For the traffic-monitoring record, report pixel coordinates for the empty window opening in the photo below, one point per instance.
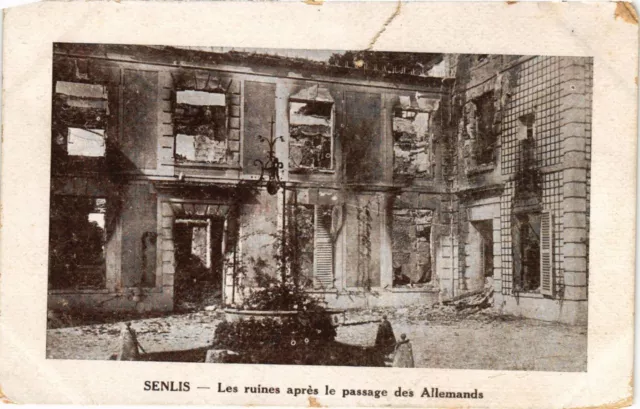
(526, 251)
(80, 114)
(526, 127)
(311, 134)
(411, 247)
(486, 138)
(412, 151)
(528, 178)
(85, 142)
(526, 135)
(199, 261)
(82, 95)
(77, 242)
(201, 126)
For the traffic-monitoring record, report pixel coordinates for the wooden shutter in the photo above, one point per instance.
(323, 250)
(546, 254)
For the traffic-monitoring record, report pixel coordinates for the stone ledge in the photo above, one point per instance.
(63, 291)
(412, 290)
(490, 167)
(205, 165)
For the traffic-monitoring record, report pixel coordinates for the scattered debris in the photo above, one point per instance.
(83, 317)
(476, 300)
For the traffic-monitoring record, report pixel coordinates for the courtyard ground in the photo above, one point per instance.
(441, 338)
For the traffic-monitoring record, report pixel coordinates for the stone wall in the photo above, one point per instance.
(576, 93)
(546, 101)
(536, 90)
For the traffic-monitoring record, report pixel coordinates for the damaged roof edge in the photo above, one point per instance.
(168, 55)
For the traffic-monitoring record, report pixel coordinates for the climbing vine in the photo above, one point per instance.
(364, 245)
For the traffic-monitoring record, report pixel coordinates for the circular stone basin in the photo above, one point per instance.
(233, 315)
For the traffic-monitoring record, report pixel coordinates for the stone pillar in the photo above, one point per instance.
(574, 108)
(447, 249)
(463, 231)
(388, 101)
(167, 249)
(386, 240)
(113, 254)
(281, 128)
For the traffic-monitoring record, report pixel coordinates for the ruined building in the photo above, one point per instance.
(399, 187)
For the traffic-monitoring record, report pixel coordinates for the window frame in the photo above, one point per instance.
(302, 169)
(59, 199)
(430, 173)
(481, 135)
(419, 228)
(518, 218)
(227, 116)
(58, 123)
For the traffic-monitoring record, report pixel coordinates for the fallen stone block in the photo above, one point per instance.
(219, 356)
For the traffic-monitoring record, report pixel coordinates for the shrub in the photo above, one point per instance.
(272, 294)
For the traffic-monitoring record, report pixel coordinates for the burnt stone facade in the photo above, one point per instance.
(411, 188)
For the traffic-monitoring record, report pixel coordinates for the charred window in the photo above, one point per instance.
(77, 242)
(528, 177)
(311, 134)
(79, 119)
(526, 133)
(201, 126)
(526, 251)
(411, 143)
(411, 247)
(486, 138)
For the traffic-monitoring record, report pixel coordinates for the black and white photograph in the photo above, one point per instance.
(311, 207)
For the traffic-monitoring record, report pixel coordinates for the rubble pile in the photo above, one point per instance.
(473, 301)
(448, 311)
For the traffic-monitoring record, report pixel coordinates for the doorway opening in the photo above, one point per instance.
(199, 262)
(485, 231)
